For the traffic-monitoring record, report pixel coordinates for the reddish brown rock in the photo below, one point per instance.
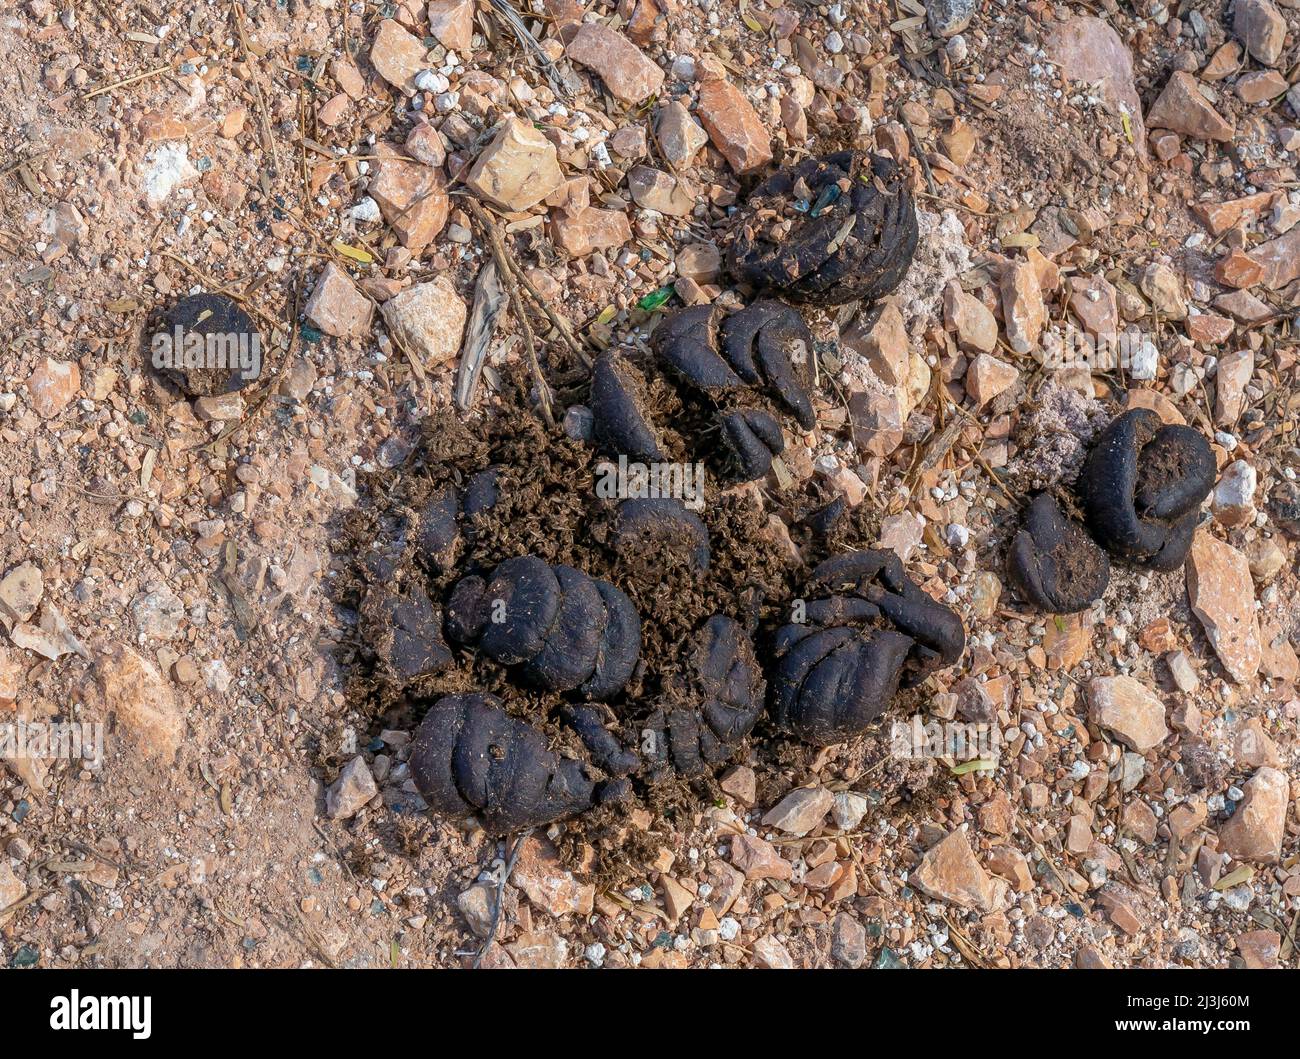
(1286, 215)
(1257, 827)
(518, 169)
(218, 408)
(397, 55)
(958, 142)
(346, 75)
(1222, 595)
(411, 196)
(741, 783)
(727, 884)
(758, 859)
(1158, 636)
(824, 876)
(794, 118)
(424, 144)
(892, 136)
(1093, 301)
(52, 385)
(987, 377)
(1260, 85)
(452, 23)
(546, 882)
(350, 793)
(653, 189)
(336, 306)
(1238, 269)
(1280, 259)
(770, 953)
(427, 320)
(1252, 747)
(10, 676)
(626, 71)
(1186, 818)
(539, 951)
(1183, 674)
(663, 958)
(1125, 707)
(21, 590)
(949, 872)
(800, 811)
(1078, 834)
(1140, 397)
(1260, 27)
(1165, 289)
(144, 705)
(1278, 659)
(589, 230)
(1209, 329)
(1266, 560)
(677, 899)
(1066, 643)
(733, 125)
(572, 197)
(646, 20)
(701, 262)
(970, 318)
(332, 111)
(885, 346)
(845, 481)
(1243, 307)
(1123, 907)
(564, 12)
(156, 127)
(1225, 61)
(1182, 108)
(1230, 382)
(1259, 949)
(1023, 311)
(901, 534)
(877, 421)
(1140, 821)
(1218, 217)
(12, 889)
(1047, 270)
(226, 188)
(680, 136)
(1166, 144)
(1010, 864)
(629, 142)
(690, 292)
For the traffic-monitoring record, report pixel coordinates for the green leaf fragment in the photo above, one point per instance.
(653, 300)
(978, 765)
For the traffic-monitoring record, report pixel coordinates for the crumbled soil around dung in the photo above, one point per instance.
(548, 506)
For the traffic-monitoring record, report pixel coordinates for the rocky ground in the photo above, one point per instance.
(166, 565)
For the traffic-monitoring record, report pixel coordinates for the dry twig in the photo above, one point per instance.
(506, 12)
(507, 869)
(509, 275)
(129, 80)
(264, 117)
